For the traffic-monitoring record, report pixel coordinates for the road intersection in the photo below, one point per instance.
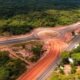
(54, 39)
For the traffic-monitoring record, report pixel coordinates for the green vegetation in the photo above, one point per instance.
(58, 76)
(37, 51)
(10, 69)
(4, 57)
(21, 16)
(4, 73)
(75, 55)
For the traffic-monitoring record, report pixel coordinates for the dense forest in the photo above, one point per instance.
(21, 16)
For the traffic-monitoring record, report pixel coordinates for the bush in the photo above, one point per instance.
(4, 73)
(37, 50)
(76, 58)
(65, 56)
(10, 69)
(4, 57)
(15, 67)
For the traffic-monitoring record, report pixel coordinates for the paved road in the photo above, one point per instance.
(43, 33)
(71, 45)
(73, 42)
(54, 50)
(55, 47)
(18, 40)
(50, 69)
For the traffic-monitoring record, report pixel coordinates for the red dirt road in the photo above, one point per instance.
(54, 47)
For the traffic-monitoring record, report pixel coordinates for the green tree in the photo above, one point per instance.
(4, 57)
(77, 50)
(65, 55)
(37, 50)
(15, 67)
(76, 58)
(4, 73)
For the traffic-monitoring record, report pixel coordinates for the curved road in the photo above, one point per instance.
(54, 47)
(43, 33)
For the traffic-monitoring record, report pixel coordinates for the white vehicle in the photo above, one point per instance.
(76, 45)
(71, 60)
(76, 33)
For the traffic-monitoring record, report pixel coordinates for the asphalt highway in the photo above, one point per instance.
(73, 43)
(43, 33)
(54, 48)
(50, 69)
(18, 40)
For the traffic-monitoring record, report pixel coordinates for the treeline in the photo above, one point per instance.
(21, 16)
(21, 24)
(10, 68)
(13, 7)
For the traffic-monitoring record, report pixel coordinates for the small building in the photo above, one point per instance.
(78, 70)
(67, 69)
